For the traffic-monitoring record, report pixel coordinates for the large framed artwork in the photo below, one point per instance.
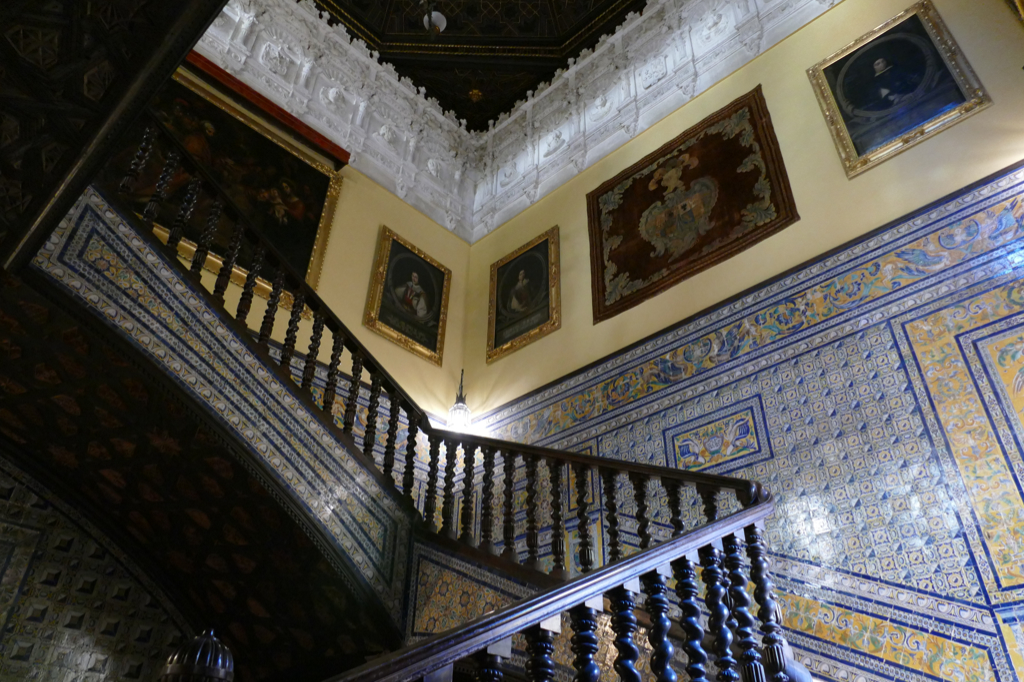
(286, 187)
(524, 296)
(408, 297)
(895, 87)
(715, 190)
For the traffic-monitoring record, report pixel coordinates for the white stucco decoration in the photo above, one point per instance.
(472, 182)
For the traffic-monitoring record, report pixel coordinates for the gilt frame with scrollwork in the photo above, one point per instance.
(953, 60)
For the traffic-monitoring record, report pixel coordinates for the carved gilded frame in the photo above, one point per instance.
(278, 136)
(378, 278)
(970, 86)
(554, 298)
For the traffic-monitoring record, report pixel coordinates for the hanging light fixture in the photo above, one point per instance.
(459, 415)
(433, 21)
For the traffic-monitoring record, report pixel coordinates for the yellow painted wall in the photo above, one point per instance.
(363, 207)
(833, 209)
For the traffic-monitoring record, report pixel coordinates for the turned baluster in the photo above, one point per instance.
(313, 352)
(267, 328)
(509, 551)
(331, 390)
(714, 598)
(687, 590)
(468, 485)
(139, 161)
(749, 658)
(532, 534)
(430, 503)
(489, 662)
(584, 642)
(673, 491)
(352, 400)
(160, 193)
(249, 288)
(557, 527)
(487, 503)
(394, 412)
(772, 642)
(623, 602)
(448, 525)
(540, 644)
(185, 211)
(586, 552)
(657, 606)
(643, 520)
(206, 240)
(709, 496)
(370, 435)
(611, 505)
(292, 332)
(409, 474)
(228, 265)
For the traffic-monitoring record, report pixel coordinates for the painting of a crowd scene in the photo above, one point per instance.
(283, 196)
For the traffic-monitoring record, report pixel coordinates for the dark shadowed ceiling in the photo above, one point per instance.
(118, 444)
(491, 52)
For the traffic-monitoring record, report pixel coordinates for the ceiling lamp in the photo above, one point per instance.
(433, 21)
(459, 415)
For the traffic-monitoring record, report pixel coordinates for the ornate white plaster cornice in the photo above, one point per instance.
(472, 182)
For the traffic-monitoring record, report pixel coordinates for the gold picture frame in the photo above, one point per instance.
(873, 119)
(1018, 8)
(408, 298)
(510, 280)
(201, 87)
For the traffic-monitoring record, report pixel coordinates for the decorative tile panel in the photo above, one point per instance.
(99, 259)
(887, 383)
(72, 605)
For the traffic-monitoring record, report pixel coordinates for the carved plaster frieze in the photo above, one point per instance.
(472, 182)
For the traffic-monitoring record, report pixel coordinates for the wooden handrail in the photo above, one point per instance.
(311, 298)
(473, 531)
(437, 651)
(749, 492)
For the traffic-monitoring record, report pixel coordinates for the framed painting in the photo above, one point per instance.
(408, 297)
(895, 87)
(715, 190)
(524, 296)
(286, 187)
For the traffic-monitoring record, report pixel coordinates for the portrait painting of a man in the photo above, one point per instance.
(889, 89)
(408, 300)
(524, 296)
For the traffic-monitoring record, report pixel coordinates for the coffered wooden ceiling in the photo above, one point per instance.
(491, 52)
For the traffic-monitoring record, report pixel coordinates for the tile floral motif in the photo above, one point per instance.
(98, 258)
(717, 441)
(448, 591)
(890, 379)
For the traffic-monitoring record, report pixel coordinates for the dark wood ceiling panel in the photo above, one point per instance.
(509, 46)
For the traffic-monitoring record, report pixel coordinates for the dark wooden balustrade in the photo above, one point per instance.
(549, 479)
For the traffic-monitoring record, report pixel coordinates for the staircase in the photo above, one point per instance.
(687, 524)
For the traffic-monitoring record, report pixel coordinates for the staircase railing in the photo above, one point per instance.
(712, 541)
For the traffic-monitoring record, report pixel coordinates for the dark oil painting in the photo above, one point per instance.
(710, 193)
(412, 299)
(522, 300)
(282, 195)
(891, 85)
